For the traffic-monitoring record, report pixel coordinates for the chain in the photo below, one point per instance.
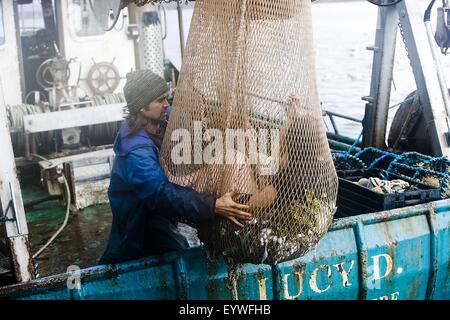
(141, 3)
(402, 33)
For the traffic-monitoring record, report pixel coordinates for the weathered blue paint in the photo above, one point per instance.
(442, 285)
(397, 254)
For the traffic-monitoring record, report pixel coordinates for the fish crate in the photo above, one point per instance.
(354, 199)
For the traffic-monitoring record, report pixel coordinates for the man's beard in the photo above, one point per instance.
(155, 121)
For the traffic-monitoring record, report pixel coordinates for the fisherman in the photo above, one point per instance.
(145, 204)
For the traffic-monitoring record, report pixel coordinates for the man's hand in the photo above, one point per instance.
(293, 111)
(294, 106)
(226, 207)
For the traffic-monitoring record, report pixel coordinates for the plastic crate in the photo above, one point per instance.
(354, 199)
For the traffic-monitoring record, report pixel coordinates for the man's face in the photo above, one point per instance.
(156, 110)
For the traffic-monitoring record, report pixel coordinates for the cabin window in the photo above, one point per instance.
(2, 28)
(86, 23)
(38, 31)
(35, 17)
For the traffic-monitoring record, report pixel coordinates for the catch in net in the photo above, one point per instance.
(246, 118)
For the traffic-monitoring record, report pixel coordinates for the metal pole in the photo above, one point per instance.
(420, 53)
(181, 29)
(382, 69)
(383, 96)
(11, 205)
(435, 53)
(151, 53)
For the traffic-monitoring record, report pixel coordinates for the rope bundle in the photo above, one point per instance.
(430, 171)
(104, 133)
(15, 117)
(96, 134)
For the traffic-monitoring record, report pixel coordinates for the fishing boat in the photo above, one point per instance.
(60, 95)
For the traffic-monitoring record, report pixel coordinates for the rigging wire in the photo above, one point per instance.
(116, 17)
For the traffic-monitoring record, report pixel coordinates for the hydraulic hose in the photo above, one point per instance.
(66, 219)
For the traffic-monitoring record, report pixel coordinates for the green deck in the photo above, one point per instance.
(80, 243)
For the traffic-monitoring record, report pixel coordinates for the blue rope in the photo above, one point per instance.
(378, 160)
(444, 178)
(405, 164)
(379, 155)
(354, 144)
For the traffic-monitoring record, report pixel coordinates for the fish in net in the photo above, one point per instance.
(246, 118)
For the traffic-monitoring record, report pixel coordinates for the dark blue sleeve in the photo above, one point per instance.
(150, 183)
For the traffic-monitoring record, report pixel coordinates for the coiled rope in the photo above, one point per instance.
(106, 132)
(15, 117)
(97, 134)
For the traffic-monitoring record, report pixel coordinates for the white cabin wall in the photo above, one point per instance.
(106, 47)
(9, 60)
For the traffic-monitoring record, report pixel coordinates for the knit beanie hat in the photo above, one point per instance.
(141, 88)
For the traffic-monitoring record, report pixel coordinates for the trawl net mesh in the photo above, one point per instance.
(246, 118)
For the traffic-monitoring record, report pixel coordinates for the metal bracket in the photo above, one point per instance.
(14, 206)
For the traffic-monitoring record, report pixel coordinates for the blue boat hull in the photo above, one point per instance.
(397, 254)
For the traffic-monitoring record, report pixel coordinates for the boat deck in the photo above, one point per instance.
(82, 241)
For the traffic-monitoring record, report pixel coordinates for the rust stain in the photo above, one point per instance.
(15, 263)
(392, 251)
(299, 266)
(364, 278)
(343, 274)
(414, 287)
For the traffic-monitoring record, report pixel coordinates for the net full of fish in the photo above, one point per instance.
(248, 71)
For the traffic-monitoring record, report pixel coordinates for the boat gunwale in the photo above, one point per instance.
(111, 270)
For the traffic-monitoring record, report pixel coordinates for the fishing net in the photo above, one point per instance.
(246, 118)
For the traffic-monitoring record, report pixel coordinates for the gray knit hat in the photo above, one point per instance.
(141, 88)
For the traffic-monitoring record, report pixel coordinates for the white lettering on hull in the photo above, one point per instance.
(293, 283)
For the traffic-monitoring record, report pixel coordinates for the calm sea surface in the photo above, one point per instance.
(342, 31)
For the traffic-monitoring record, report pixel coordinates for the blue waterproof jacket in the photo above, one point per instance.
(145, 204)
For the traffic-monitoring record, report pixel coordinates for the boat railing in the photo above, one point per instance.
(331, 115)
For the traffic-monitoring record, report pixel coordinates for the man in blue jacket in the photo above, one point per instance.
(144, 203)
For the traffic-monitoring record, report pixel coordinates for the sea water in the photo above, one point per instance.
(342, 31)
